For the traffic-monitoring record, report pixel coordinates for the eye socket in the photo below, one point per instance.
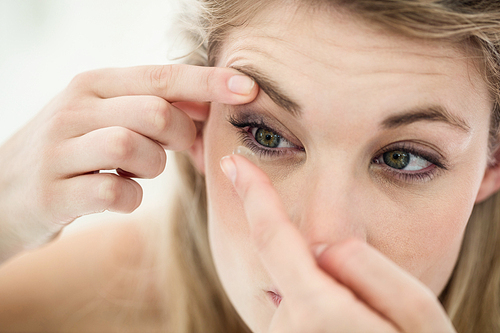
(404, 160)
(269, 139)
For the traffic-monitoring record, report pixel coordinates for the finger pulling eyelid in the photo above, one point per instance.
(271, 88)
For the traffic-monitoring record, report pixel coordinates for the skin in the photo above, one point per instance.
(387, 246)
(391, 243)
(121, 119)
(106, 119)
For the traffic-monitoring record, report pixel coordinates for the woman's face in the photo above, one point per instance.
(381, 137)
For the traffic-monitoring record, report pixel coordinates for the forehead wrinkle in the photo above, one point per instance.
(251, 49)
(313, 56)
(399, 71)
(290, 45)
(301, 17)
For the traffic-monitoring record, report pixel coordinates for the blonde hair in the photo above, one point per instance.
(197, 302)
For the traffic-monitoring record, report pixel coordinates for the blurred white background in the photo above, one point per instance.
(45, 43)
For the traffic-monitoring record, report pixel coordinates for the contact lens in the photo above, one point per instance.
(250, 155)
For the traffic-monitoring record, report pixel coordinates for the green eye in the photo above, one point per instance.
(397, 159)
(267, 138)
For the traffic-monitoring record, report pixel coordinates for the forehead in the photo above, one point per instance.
(325, 55)
(337, 40)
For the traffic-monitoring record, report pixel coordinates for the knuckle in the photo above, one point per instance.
(119, 144)
(83, 80)
(209, 76)
(160, 77)
(65, 114)
(161, 115)
(424, 305)
(109, 191)
(347, 252)
(59, 121)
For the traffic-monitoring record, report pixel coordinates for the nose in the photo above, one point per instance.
(328, 208)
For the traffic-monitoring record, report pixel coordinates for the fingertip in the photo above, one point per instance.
(241, 172)
(335, 258)
(138, 196)
(242, 87)
(248, 167)
(228, 166)
(241, 84)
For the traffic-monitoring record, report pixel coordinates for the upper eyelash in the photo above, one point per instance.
(256, 122)
(412, 150)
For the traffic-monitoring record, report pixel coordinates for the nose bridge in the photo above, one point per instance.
(326, 214)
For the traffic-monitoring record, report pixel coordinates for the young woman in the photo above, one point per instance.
(371, 202)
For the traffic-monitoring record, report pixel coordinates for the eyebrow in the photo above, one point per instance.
(432, 113)
(435, 113)
(271, 88)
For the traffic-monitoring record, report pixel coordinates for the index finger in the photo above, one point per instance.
(281, 247)
(174, 83)
(385, 286)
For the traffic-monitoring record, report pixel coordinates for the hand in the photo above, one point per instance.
(350, 287)
(106, 119)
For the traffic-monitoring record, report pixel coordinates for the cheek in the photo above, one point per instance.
(236, 262)
(423, 234)
(228, 228)
(224, 205)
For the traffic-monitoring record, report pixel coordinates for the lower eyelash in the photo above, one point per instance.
(414, 177)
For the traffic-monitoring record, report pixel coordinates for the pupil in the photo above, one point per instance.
(267, 138)
(397, 159)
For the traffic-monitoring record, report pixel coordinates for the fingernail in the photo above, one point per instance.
(318, 249)
(240, 84)
(227, 165)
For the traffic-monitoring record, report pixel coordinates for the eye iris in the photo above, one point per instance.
(267, 138)
(397, 159)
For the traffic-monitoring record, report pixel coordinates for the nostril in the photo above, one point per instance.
(275, 297)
